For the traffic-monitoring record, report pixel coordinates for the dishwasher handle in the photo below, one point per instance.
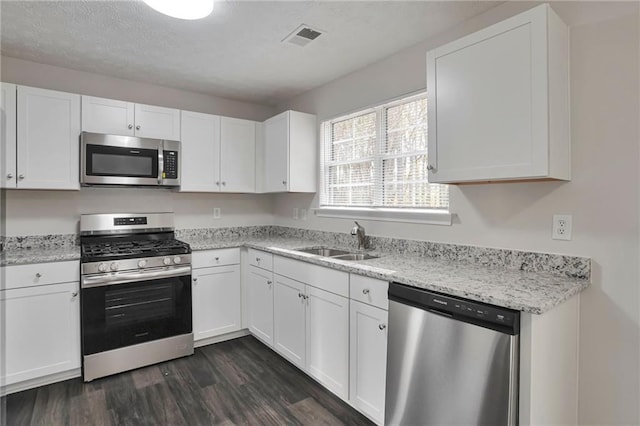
(497, 318)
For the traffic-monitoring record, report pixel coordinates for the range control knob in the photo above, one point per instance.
(177, 259)
(102, 267)
(114, 266)
(142, 263)
(166, 261)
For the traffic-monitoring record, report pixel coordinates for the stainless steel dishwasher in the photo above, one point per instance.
(450, 361)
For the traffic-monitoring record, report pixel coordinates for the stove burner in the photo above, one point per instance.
(110, 249)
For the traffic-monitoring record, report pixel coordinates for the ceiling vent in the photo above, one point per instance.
(303, 35)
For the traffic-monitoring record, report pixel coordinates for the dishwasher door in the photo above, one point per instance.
(447, 364)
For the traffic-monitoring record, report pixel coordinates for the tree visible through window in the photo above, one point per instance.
(378, 158)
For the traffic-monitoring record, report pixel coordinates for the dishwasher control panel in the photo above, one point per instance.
(472, 309)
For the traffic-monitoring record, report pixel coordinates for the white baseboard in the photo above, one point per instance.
(221, 338)
(40, 381)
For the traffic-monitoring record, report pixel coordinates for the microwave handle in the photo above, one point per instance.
(160, 161)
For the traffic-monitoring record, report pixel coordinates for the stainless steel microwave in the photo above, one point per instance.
(128, 160)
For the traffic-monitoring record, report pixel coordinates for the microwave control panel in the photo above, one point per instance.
(170, 169)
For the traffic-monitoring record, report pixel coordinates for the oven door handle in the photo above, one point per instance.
(128, 277)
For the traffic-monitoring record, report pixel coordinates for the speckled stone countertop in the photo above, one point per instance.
(533, 292)
(529, 282)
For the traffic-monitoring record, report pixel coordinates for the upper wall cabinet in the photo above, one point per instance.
(218, 153)
(114, 117)
(43, 154)
(8, 175)
(290, 153)
(498, 102)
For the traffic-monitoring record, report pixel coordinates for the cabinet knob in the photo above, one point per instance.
(299, 295)
(217, 259)
(20, 177)
(195, 280)
(431, 168)
(269, 282)
(10, 176)
(218, 183)
(38, 275)
(138, 127)
(130, 126)
(74, 294)
(284, 182)
(365, 291)
(382, 326)
(258, 259)
(224, 183)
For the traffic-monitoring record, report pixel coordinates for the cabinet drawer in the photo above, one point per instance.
(318, 276)
(208, 258)
(261, 259)
(370, 291)
(18, 276)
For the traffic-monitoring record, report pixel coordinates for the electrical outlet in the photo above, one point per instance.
(303, 214)
(561, 227)
(216, 213)
(295, 213)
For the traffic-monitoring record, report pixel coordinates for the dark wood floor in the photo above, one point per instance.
(235, 382)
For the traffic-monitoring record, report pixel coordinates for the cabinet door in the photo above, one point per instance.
(200, 150)
(289, 319)
(48, 139)
(157, 122)
(260, 304)
(368, 364)
(488, 102)
(276, 153)
(108, 116)
(41, 331)
(216, 301)
(328, 340)
(8, 176)
(237, 155)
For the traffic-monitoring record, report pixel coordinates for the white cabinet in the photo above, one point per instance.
(289, 319)
(8, 173)
(110, 116)
(218, 153)
(290, 153)
(260, 304)
(41, 323)
(200, 152)
(311, 324)
(498, 102)
(48, 131)
(368, 359)
(216, 293)
(237, 154)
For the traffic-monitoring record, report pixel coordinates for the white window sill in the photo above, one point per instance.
(432, 217)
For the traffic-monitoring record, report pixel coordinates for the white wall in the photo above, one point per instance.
(603, 196)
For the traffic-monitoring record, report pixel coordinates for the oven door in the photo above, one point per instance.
(120, 310)
(120, 160)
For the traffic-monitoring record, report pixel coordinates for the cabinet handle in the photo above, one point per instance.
(10, 176)
(138, 127)
(269, 282)
(299, 295)
(74, 294)
(130, 126)
(21, 177)
(365, 291)
(431, 168)
(38, 275)
(382, 326)
(195, 280)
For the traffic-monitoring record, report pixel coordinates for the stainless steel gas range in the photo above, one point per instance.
(135, 292)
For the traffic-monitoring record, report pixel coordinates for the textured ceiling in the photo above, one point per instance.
(234, 53)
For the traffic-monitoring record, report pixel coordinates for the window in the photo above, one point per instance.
(377, 159)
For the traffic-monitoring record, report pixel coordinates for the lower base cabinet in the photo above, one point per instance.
(41, 331)
(260, 304)
(368, 359)
(216, 301)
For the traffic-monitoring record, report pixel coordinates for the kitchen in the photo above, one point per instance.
(604, 129)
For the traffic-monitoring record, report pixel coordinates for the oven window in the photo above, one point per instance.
(123, 162)
(120, 315)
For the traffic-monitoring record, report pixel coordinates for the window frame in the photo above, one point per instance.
(393, 214)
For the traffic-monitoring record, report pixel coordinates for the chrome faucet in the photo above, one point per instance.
(362, 238)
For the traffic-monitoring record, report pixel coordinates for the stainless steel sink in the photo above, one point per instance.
(354, 256)
(323, 251)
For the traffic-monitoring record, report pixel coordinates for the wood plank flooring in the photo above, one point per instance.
(240, 381)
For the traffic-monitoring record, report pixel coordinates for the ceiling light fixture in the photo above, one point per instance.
(182, 9)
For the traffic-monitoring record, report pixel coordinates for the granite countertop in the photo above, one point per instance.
(533, 292)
